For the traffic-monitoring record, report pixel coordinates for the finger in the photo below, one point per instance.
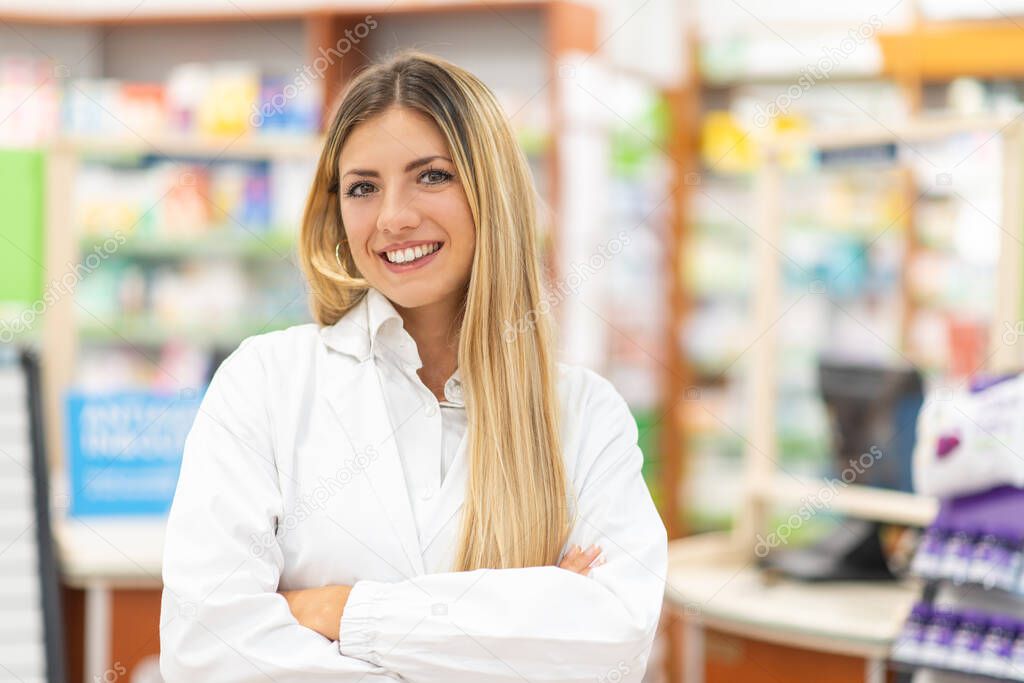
(569, 557)
(581, 561)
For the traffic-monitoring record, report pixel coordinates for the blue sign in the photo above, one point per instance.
(124, 450)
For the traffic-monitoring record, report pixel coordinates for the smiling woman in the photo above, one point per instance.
(401, 491)
(401, 215)
(420, 152)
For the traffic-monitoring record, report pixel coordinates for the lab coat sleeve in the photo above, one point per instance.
(221, 616)
(536, 623)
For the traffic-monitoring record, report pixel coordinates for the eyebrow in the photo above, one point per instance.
(408, 167)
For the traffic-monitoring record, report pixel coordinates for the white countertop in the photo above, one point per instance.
(116, 552)
(709, 581)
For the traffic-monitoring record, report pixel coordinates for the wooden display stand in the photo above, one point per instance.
(829, 631)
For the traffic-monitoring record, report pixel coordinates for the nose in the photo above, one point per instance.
(398, 212)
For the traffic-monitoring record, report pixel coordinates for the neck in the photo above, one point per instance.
(433, 328)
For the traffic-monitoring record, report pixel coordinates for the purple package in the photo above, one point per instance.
(956, 555)
(908, 645)
(1000, 506)
(938, 636)
(928, 558)
(998, 645)
(982, 382)
(965, 654)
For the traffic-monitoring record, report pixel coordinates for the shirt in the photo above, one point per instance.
(294, 476)
(428, 431)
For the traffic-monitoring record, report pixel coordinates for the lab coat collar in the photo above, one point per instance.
(374, 327)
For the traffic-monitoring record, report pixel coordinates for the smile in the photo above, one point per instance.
(400, 260)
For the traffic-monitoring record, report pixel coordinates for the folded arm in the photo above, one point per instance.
(536, 623)
(221, 616)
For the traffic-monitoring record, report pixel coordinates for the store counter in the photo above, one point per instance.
(716, 589)
(117, 565)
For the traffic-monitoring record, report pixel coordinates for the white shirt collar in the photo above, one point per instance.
(374, 327)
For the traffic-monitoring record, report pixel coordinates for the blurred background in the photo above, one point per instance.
(780, 229)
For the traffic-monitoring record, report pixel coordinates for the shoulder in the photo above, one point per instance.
(272, 352)
(266, 360)
(586, 393)
(279, 344)
(597, 426)
(592, 409)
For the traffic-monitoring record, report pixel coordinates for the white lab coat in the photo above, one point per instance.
(290, 480)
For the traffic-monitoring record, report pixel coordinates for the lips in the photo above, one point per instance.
(428, 252)
(408, 252)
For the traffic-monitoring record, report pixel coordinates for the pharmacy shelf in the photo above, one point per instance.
(241, 147)
(921, 129)
(947, 50)
(907, 668)
(248, 245)
(126, 13)
(766, 483)
(150, 333)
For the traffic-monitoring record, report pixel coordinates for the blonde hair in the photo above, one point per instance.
(515, 512)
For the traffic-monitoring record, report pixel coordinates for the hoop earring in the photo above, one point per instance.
(337, 257)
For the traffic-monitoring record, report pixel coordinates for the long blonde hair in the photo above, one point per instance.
(515, 513)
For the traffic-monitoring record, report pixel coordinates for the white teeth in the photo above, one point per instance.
(412, 253)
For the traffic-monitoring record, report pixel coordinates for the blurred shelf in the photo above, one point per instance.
(908, 668)
(150, 333)
(241, 147)
(946, 50)
(724, 442)
(272, 245)
(921, 129)
(709, 373)
(870, 229)
(153, 11)
(864, 502)
(731, 230)
(708, 293)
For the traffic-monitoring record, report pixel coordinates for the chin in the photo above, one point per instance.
(414, 296)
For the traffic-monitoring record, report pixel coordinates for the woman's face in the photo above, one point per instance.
(406, 216)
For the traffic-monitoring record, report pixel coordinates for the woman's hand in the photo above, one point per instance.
(582, 561)
(319, 609)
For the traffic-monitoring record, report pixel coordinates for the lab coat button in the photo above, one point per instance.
(426, 493)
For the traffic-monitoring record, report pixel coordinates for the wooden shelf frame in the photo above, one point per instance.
(764, 486)
(938, 51)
